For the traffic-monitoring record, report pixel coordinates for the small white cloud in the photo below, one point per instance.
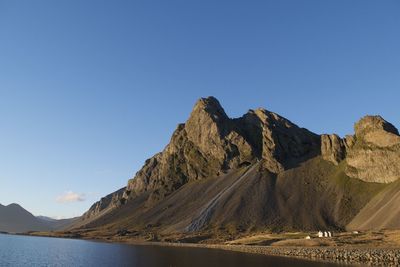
(70, 196)
(59, 217)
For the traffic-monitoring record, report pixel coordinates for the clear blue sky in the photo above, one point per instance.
(90, 89)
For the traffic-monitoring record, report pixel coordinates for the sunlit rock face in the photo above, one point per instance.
(210, 143)
(333, 148)
(105, 204)
(375, 155)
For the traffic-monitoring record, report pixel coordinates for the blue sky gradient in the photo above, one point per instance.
(90, 89)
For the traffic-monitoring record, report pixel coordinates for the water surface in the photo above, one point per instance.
(43, 251)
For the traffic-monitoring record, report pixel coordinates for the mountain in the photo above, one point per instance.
(15, 219)
(222, 176)
(57, 224)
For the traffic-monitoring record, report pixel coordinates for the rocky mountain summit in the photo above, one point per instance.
(210, 143)
(254, 172)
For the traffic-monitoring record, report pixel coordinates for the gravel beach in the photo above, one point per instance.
(348, 255)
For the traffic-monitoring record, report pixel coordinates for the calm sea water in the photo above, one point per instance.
(42, 251)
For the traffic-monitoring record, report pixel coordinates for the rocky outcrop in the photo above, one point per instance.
(372, 154)
(279, 142)
(375, 155)
(333, 148)
(105, 204)
(374, 124)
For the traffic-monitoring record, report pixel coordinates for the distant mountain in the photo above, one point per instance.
(57, 224)
(15, 219)
(45, 218)
(257, 172)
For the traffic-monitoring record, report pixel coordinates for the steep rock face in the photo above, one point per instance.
(215, 136)
(278, 141)
(106, 203)
(333, 148)
(210, 143)
(205, 146)
(375, 155)
(373, 124)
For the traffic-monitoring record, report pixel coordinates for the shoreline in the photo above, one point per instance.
(351, 255)
(341, 255)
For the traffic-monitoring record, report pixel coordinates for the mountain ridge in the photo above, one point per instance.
(210, 146)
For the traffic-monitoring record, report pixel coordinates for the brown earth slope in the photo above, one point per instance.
(315, 195)
(382, 212)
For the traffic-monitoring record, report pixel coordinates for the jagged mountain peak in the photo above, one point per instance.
(372, 123)
(208, 124)
(211, 106)
(210, 144)
(375, 131)
(270, 118)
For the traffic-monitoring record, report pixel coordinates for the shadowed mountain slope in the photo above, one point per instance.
(15, 219)
(315, 195)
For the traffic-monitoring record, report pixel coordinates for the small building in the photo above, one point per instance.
(320, 234)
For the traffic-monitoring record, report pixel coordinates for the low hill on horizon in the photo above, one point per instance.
(15, 219)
